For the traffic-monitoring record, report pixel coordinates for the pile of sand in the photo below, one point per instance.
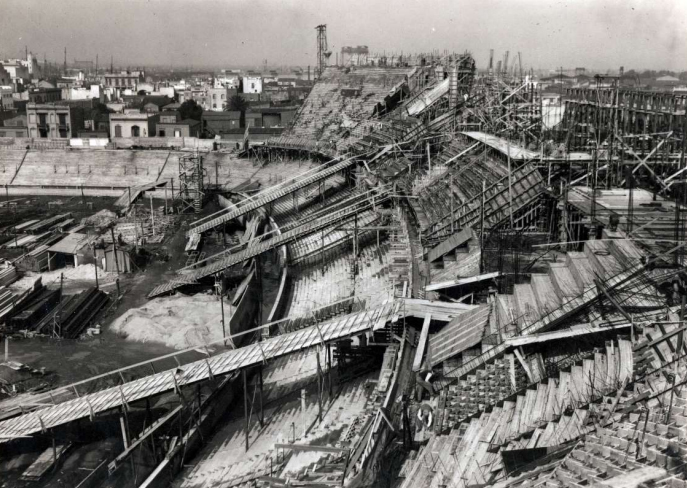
(100, 219)
(83, 272)
(179, 322)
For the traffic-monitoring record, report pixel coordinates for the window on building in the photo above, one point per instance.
(62, 119)
(214, 96)
(135, 131)
(118, 131)
(222, 96)
(162, 133)
(177, 133)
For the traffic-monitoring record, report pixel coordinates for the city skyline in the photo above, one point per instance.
(182, 34)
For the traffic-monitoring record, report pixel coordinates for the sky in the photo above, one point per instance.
(595, 34)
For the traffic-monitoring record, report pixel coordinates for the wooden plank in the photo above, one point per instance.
(461, 281)
(312, 448)
(449, 244)
(562, 334)
(422, 344)
(44, 462)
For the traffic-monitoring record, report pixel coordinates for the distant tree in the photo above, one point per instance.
(238, 104)
(101, 108)
(190, 110)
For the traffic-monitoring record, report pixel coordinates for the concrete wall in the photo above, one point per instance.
(88, 142)
(164, 142)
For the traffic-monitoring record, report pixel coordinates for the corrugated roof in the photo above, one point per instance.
(70, 244)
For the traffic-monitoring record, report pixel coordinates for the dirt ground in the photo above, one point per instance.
(74, 360)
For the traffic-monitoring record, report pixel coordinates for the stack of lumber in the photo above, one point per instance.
(74, 314)
(11, 303)
(8, 276)
(35, 310)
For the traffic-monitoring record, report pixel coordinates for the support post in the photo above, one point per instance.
(429, 160)
(329, 369)
(114, 248)
(152, 212)
(245, 404)
(95, 267)
(450, 188)
(54, 452)
(221, 302)
(262, 410)
(319, 386)
(125, 434)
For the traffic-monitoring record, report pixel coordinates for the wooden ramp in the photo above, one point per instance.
(244, 207)
(90, 405)
(219, 262)
(131, 194)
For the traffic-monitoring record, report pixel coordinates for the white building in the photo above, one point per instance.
(252, 84)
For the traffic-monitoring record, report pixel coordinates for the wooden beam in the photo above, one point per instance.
(562, 334)
(524, 364)
(422, 344)
(142, 438)
(312, 448)
(461, 281)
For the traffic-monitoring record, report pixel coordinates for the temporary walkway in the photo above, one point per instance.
(503, 146)
(225, 261)
(92, 404)
(272, 194)
(131, 194)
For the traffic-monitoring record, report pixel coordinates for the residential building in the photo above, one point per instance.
(170, 126)
(57, 120)
(132, 125)
(123, 80)
(153, 104)
(270, 116)
(14, 127)
(98, 122)
(45, 95)
(217, 123)
(216, 99)
(252, 84)
(19, 74)
(87, 93)
(6, 99)
(5, 77)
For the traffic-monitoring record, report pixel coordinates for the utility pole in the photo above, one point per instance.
(221, 301)
(152, 212)
(114, 248)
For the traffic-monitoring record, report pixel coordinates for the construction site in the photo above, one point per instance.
(429, 279)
